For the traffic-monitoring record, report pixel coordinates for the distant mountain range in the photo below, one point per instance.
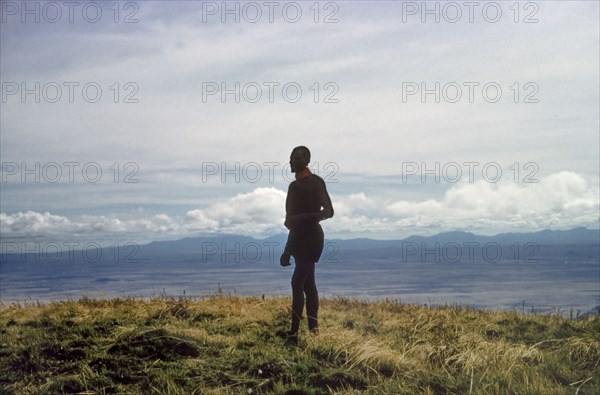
(544, 237)
(577, 236)
(574, 245)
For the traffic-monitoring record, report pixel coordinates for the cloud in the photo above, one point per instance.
(32, 224)
(353, 204)
(558, 201)
(563, 199)
(35, 225)
(259, 212)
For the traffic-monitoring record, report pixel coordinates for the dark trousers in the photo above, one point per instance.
(303, 283)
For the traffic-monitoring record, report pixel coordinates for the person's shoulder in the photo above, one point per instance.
(317, 178)
(317, 181)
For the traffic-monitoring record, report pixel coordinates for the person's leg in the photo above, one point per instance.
(312, 299)
(301, 272)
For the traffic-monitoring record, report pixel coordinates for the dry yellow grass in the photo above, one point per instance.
(227, 344)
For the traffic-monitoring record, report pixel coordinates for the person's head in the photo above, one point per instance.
(299, 159)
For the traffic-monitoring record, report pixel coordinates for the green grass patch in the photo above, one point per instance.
(232, 345)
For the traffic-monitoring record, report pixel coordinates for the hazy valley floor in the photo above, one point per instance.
(542, 287)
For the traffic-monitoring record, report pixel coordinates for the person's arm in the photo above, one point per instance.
(327, 211)
(327, 207)
(287, 250)
(287, 254)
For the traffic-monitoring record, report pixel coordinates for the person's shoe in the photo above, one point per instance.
(314, 331)
(291, 339)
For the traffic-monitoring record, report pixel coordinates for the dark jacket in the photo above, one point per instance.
(303, 204)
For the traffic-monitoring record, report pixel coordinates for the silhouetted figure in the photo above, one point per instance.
(307, 204)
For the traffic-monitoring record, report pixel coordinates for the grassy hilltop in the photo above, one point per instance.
(229, 345)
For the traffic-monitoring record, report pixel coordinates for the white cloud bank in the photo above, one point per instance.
(559, 201)
(260, 212)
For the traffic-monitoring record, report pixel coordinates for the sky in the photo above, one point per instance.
(154, 120)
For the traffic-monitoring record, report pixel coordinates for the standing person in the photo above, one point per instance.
(307, 204)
